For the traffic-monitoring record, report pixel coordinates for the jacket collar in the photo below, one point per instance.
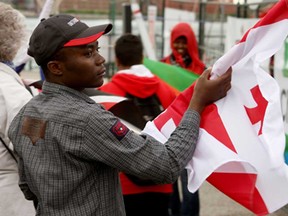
(9, 71)
(53, 88)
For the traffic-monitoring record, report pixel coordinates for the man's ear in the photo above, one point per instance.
(55, 67)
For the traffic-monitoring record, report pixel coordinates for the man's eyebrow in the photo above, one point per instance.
(91, 45)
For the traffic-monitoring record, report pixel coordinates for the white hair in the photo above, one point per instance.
(12, 31)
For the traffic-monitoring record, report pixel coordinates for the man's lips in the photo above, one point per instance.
(102, 73)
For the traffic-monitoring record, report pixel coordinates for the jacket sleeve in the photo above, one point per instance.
(29, 195)
(108, 141)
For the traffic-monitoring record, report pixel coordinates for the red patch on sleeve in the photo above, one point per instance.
(119, 130)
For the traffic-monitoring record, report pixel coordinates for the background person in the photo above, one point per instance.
(184, 49)
(13, 96)
(184, 54)
(133, 78)
(70, 148)
(135, 81)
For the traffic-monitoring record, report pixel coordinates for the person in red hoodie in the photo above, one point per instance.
(134, 79)
(184, 54)
(184, 48)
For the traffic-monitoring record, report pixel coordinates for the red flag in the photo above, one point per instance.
(241, 142)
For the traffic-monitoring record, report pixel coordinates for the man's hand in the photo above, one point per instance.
(207, 91)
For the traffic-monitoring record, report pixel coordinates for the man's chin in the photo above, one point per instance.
(99, 83)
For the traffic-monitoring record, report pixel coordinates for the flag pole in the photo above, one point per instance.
(45, 12)
(142, 30)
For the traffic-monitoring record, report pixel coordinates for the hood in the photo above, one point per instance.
(137, 81)
(184, 29)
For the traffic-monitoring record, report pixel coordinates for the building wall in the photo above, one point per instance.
(105, 5)
(98, 5)
(213, 7)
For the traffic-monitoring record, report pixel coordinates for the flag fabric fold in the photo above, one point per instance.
(242, 141)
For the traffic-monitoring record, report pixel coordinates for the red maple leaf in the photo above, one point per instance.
(256, 114)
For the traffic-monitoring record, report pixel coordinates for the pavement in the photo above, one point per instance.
(212, 201)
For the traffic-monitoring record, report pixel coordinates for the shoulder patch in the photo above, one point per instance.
(33, 128)
(119, 130)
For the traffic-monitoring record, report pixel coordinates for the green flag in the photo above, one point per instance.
(175, 76)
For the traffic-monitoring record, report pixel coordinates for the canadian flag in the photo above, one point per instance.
(241, 142)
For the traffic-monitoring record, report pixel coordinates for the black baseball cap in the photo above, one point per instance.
(61, 31)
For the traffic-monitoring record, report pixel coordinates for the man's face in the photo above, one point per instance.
(180, 45)
(82, 66)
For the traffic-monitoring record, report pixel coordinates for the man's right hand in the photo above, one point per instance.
(207, 91)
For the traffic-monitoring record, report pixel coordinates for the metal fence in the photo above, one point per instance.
(211, 40)
(209, 25)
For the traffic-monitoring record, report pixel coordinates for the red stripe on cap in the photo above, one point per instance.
(83, 41)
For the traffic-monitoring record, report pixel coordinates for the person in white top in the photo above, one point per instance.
(13, 96)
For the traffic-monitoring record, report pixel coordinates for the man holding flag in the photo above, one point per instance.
(70, 148)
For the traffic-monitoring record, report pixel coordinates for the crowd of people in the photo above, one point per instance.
(70, 156)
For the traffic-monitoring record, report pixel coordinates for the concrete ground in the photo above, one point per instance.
(215, 203)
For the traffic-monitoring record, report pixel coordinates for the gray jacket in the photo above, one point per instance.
(71, 150)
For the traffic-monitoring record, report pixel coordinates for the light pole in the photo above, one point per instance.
(202, 12)
(163, 27)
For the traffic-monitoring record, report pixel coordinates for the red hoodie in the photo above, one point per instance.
(140, 82)
(184, 29)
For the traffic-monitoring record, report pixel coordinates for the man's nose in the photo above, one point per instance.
(99, 59)
(182, 45)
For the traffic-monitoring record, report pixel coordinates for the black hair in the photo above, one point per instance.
(44, 68)
(129, 50)
(57, 56)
